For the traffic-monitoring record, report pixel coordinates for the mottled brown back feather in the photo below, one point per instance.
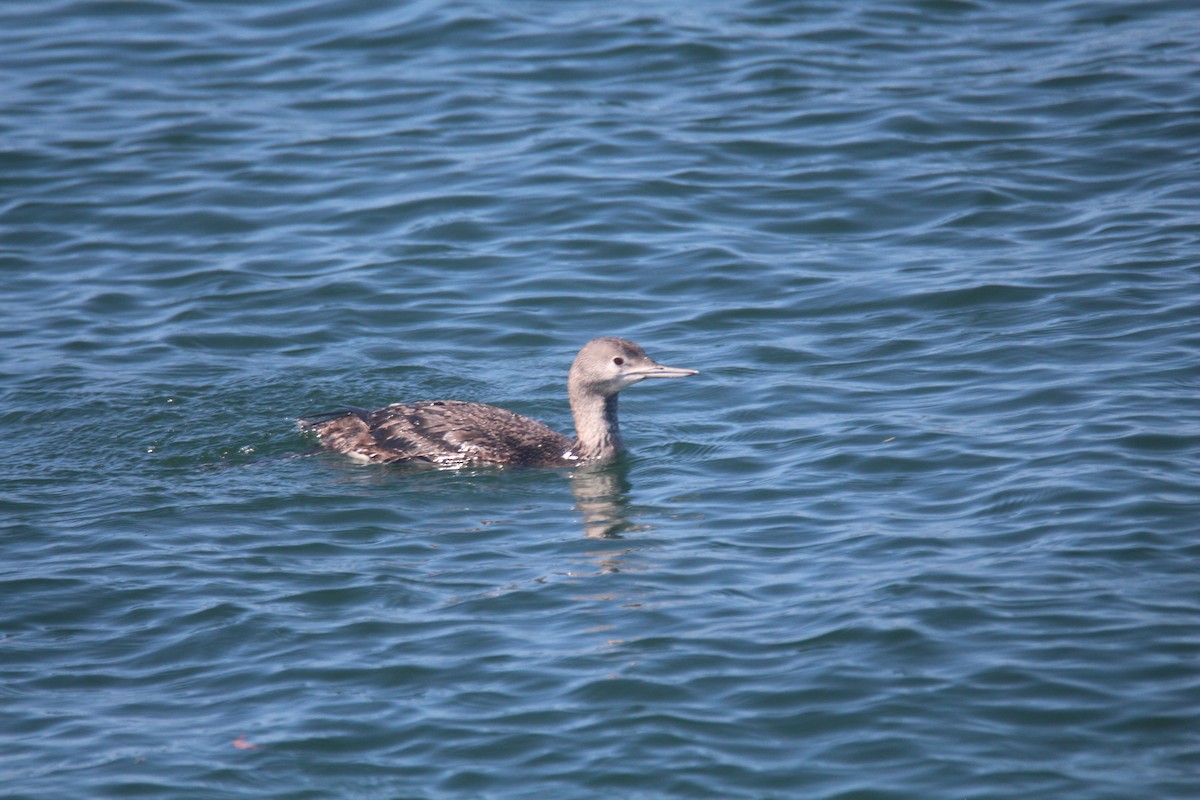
(443, 432)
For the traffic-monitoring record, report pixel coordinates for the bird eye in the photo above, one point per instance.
(618, 361)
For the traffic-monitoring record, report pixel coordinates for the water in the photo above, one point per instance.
(924, 526)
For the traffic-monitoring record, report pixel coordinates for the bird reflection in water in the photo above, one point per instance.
(602, 499)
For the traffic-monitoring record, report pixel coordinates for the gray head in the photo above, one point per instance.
(607, 365)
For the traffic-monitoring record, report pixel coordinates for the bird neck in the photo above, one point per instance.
(597, 432)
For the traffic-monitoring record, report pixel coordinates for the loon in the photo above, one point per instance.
(453, 434)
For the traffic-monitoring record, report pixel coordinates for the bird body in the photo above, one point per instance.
(448, 433)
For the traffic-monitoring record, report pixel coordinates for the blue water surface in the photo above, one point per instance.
(924, 525)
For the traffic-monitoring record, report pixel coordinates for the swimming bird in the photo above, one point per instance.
(453, 433)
